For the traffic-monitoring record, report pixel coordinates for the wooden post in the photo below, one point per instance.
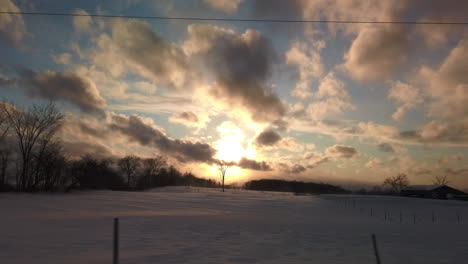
(376, 249)
(116, 241)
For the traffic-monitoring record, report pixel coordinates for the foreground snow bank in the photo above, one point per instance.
(196, 225)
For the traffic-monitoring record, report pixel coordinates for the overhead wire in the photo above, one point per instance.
(237, 19)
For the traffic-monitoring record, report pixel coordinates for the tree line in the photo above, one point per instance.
(32, 159)
(295, 187)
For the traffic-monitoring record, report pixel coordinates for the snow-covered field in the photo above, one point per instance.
(194, 225)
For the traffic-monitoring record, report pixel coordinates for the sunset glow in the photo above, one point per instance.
(347, 103)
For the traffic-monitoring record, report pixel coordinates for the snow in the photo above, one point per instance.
(195, 225)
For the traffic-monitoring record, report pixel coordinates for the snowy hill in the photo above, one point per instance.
(196, 225)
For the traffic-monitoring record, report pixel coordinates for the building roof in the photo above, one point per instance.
(422, 187)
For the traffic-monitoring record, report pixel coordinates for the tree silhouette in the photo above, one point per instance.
(440, 180)
(397, 183)
(223, 166)
(34, 126)
(129, 165)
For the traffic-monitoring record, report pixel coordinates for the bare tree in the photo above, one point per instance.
(151, 168)
(223, 166)
(153, 165)
(129, 165)
(440, 180)
(397, 183)
(4, 126)
(5, 154)
(39, 121)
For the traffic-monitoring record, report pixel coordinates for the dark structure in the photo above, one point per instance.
(432, 191)
(293, 186)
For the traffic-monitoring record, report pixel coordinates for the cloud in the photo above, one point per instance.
(125, 134)
(133, 47)
(331, 99)
(68, 87)
(377, 53)
(406, 95)
(342, 151)
(241, 65)
(267, 138)
(226, 6)
(82, 148)
(308, 62)
(291, 168)
(64, 58)
(82, 23)
(189, 118)
(386, 147)
(447, 87)
(145, 132)
(250, 164)
(444, 131)
(313, 159)
(443, 11)
(12, 27)
(330, 86)
(373, 163)
(59, 86)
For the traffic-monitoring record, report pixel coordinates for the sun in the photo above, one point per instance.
(229, 148)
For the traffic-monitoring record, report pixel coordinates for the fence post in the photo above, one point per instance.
(116, 241)
(376, 249)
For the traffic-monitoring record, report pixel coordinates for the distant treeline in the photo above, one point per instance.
(296, 187)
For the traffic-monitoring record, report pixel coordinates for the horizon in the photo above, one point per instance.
(340, 103)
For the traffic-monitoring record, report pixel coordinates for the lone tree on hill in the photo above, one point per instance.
(223, 166)
(397, 183)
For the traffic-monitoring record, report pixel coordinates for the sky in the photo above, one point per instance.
(339, 103)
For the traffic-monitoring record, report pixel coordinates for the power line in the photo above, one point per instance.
(238, 19)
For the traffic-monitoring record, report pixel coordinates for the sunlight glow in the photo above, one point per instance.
(229, 146)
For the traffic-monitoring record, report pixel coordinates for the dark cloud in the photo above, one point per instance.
(68, 87)
(254, 165)
(293, 169)
(187, 118)
(58, 86)
(267, 138)
(5, 81)
(297, 168)
(342, 151)
(241, 65)
(80, 149)
(144, 133)
(277, 9)
(385, 147)
(317, 161)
